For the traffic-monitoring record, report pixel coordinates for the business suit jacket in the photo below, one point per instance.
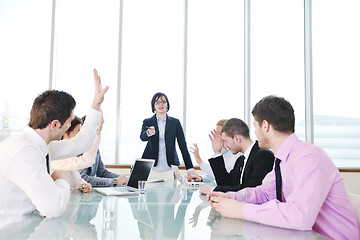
(173, 131)
(258, 164)
(97, 175)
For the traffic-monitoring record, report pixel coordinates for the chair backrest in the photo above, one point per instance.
(355, 202)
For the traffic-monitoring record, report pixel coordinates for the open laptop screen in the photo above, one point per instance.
(140, 172)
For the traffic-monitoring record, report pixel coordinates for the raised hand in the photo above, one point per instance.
(99, 91)
(195, 150)
(216, 141)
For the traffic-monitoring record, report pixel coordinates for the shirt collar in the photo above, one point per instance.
(36, 139)
(248, 150)
(285, 148)
(159, 120)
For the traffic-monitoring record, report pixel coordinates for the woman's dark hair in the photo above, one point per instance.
(51, 105)
(76, 121)
(83, 119)
(156, 97)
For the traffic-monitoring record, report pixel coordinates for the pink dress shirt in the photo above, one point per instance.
(313, 192)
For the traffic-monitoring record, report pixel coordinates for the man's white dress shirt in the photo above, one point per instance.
(229, 161)
(25, 184)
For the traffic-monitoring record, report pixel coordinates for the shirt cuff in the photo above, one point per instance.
(190, 170)
(248, 212)
(98, 111)
(233, 195)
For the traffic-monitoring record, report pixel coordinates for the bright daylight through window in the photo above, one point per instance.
(193, 51)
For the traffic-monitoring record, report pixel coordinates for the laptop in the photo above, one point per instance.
(181, 180)
(140, 172)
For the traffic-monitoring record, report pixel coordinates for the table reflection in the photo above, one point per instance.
(230, 228)
(80, 211)
(164, 220)
(166, 211)
(73, 224)
(195, 217)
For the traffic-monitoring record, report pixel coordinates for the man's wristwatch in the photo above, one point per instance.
(114, 182)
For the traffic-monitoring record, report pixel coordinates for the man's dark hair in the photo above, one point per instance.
(156, 97)
(277, 111)
(51, 105)
(235, 126)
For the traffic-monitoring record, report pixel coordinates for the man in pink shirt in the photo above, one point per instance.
(304, 191)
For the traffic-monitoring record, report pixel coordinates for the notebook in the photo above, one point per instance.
(140, 172)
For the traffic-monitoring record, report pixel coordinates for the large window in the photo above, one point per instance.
(215, 68)
(25, 31)
(277, 54)
(82, 44)
(152, 61)
(193, 51)
(336, 61)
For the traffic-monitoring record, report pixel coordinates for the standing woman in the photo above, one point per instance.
(160, 131)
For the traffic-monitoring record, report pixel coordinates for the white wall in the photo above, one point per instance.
(352, 180)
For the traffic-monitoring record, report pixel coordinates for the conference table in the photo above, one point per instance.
(168, 210)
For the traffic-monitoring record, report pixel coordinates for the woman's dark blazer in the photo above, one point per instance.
(173, 130)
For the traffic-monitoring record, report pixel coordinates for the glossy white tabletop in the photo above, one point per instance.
(166, 211)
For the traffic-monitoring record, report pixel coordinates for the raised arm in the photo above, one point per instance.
(99, 91)
(74, 163)
(84, 139)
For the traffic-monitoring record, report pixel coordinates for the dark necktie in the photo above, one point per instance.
(241, 159)
(47, 163)
(278, 179)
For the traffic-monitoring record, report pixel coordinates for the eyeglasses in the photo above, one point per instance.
(162, 102)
